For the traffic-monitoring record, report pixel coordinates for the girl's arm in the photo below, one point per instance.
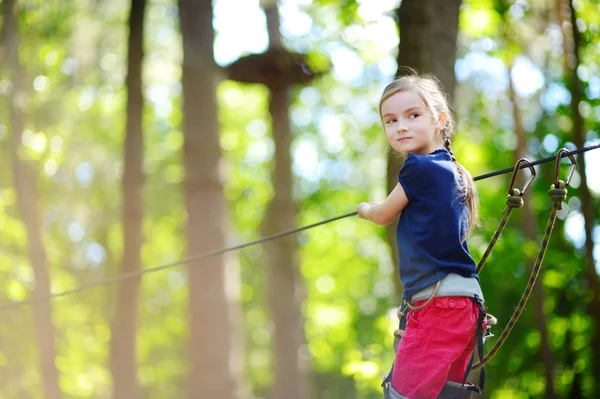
(387, 211)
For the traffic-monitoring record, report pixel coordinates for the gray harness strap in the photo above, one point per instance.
(391, 394)
(451, 285)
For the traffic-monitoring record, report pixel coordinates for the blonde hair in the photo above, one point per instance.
(430, 90)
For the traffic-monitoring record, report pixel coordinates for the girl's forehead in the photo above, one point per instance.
(403, 100)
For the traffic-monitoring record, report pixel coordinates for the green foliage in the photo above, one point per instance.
(479, 19)
(74, 57)
(346, 10)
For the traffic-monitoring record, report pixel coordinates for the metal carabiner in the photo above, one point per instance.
(514, 176)
(559, 155)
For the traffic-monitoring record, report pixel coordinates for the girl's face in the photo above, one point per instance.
(409, 124)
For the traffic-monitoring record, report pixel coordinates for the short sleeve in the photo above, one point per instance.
(409, 176)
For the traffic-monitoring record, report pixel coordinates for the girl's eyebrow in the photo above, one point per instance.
(415, 108)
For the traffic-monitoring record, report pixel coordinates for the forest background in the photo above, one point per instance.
(137, 136)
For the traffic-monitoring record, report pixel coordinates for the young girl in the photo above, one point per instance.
(437, 203)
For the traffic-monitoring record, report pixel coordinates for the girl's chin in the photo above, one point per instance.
(404, 148)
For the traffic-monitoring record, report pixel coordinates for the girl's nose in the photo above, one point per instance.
(402, 128)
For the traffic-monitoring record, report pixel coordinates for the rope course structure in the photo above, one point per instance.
(558, 193)
(522, 164)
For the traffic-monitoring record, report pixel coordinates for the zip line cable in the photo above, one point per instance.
(209, 254)
(538, 162)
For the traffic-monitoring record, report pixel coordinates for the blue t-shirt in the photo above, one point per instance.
(433, 223)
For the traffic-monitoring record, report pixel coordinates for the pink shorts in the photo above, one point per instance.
(435, 347)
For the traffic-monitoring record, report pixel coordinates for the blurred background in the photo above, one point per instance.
(136, 136)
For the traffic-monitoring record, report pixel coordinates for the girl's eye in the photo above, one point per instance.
(414, 115)
(390, 121)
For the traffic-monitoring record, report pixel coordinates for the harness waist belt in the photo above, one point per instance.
(451, 285)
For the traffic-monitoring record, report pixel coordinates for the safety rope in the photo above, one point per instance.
(514, 200)
(194, 258)
(538, 162)
(558, 193)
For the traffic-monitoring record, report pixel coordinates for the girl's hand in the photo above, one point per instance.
(363, 210)
(385, 212)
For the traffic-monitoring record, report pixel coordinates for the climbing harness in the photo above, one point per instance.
(451, 389)
(485, 321)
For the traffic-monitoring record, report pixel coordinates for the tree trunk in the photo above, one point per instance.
(210, 304)
(571, 39)
(576, 391)
(284, 276)
(25, 181)
(123, 348)
(428, 35)
(529, 226)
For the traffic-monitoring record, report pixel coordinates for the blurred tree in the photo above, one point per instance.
(75, 59)
(25, 181)
(527, 215)
(279, 69)
(571, 47)
(428, 35)
(123, 348)
(211, 295)
(285, 285)
(566, 307)
(529, 225)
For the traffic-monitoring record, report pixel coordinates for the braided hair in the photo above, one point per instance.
(448, 145)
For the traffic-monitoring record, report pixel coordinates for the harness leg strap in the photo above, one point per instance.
(451, 389)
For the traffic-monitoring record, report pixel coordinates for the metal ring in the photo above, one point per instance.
(514, 176)
(559, 155)
(411, 307)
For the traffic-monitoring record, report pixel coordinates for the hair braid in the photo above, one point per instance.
(448, 145)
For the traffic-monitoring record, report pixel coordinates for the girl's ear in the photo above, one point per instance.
(442, 119)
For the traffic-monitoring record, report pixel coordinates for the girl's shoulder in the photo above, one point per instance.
(431, 161)
(441, 154)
